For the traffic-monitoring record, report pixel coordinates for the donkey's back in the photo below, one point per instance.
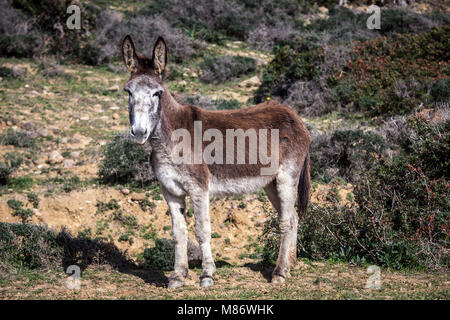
(291, 144)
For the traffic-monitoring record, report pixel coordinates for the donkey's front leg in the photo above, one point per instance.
(177, 207)
(203, 233)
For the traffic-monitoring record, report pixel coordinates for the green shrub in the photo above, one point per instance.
(21, 183)
(223, 104)
(18, 139)
(18, 210)
(125, 162)
(440, 90)
(344, 153)
(296, 59)
(161, 256)
(6, 72)
(145, 203)
(34, 199)
(27, 246)
(207, 103)
(219, 69)
(112, 204)
(12, 163)
(390, 73)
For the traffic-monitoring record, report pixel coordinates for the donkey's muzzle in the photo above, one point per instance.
(139, 135)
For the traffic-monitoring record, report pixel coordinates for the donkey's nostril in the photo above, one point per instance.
(146, 130)
(132, 131)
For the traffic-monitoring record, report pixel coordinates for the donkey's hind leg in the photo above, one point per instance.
(177, 207)
(286, 186)
(272, 194)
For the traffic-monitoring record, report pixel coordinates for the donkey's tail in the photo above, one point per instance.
(304, 187)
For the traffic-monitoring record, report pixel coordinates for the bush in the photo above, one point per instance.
(207, 103)
(440, 90)
(12, 163)
(125, 162)
(389, 74)
(344, 153)
(399, 217)
(220, 69)
(295, 60)
(30, 247)
(17, 206)
(23, 246)
(161, 256)
(236, 19)
(343, 25)
(18, 139)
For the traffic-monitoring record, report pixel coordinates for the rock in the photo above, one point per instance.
(138, 196)
(84, 118)
(43, 132)
(19, 72)
(323, 9)
(75, 154)
(113, 88)
(114, 108)
(68, 163)
(252, 82)
(125, 191)
(55, 157)
(38, 161)
(115, 116)
(260, 222)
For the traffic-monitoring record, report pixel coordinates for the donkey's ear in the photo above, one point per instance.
(159, 56)
(129, 55)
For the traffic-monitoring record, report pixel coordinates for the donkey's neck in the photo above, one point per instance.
(171, 110)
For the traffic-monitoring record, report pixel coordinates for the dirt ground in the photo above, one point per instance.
(307, 281)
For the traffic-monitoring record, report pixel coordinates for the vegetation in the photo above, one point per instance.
(125, 162)
(219, 69)
(399, 217)
(376, 103)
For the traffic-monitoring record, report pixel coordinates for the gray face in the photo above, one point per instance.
(144, 106)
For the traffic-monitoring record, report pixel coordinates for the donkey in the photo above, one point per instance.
(155, 116)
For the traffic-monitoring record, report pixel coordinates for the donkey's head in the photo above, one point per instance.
(145, 87)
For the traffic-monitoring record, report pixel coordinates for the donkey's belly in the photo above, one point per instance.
(242, 185)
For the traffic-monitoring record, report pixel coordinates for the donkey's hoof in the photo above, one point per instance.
(173, 284)
(277, 279)
(206, 282)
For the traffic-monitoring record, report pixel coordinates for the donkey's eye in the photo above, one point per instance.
(157, 94)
